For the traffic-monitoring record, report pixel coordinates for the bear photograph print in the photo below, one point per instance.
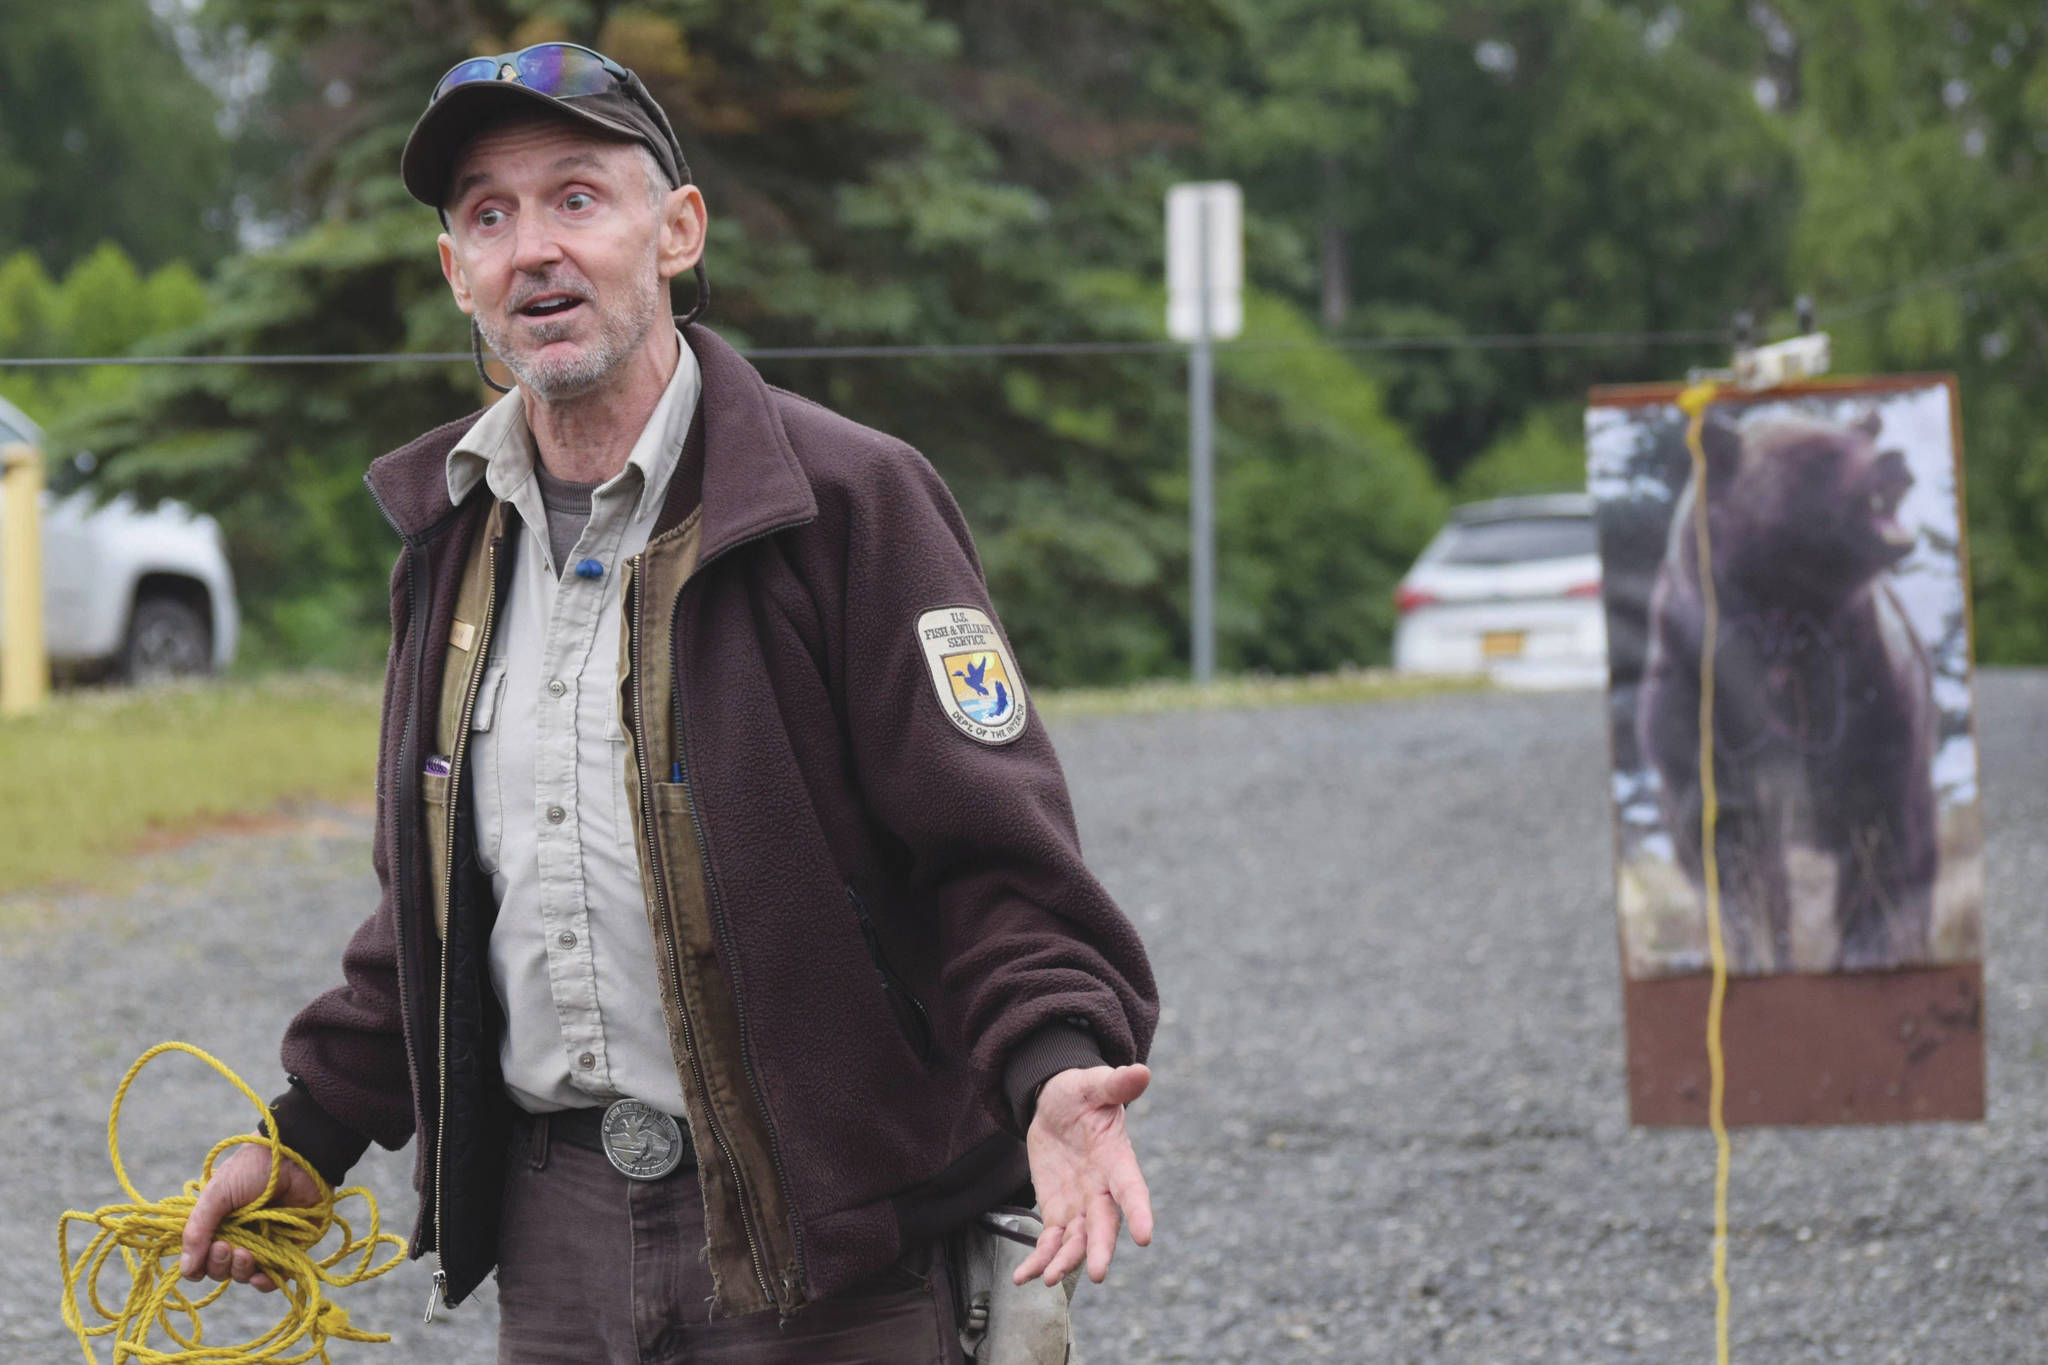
(1849, 836)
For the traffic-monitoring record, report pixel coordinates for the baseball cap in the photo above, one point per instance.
(562, 78)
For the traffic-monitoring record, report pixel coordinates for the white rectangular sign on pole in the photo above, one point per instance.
(1204, 247)
(1204, 303)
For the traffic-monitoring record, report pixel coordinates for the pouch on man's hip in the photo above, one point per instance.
(1002, 1323)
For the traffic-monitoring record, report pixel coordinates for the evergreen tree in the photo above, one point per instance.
(882, 172)
(105, 135)
(1924, 226)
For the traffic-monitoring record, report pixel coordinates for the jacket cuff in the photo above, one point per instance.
(1038, 1057)
(330, 1145)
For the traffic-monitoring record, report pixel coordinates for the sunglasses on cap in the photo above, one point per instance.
(566, 71)
(563, 70)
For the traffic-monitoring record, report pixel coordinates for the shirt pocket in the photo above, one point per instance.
(487, 783)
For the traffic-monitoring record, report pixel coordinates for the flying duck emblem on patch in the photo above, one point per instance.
(971, 669)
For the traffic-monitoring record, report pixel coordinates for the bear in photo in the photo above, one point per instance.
(1824, 718)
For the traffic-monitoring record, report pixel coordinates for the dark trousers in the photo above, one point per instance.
(593, 1267)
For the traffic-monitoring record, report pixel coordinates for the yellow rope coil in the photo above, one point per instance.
(1693, 402)
(147, 1234)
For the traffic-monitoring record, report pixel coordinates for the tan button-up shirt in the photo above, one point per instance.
(572, 956)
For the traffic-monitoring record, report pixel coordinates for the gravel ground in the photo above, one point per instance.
(1388, 1122)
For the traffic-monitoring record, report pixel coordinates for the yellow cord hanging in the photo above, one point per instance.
(148, 1233)
(1693, 402)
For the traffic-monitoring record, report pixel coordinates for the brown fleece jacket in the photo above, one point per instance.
(837, 801)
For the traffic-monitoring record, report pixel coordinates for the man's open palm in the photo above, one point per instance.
(1085, 1172)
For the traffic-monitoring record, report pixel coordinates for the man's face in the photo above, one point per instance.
(561, 249)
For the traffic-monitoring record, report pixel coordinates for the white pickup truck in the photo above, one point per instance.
(139, 595)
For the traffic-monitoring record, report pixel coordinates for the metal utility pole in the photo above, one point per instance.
(1202, 468)
(1205, 272)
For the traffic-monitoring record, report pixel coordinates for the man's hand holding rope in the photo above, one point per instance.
(237, 1181)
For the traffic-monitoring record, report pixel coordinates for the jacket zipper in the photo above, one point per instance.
(408, 770)
(662, 919)
(461, 750)
(912, 1015)
(725, 940)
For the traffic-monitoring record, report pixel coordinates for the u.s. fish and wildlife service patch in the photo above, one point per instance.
(977, 682)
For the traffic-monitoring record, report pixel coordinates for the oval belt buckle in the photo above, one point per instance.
(640, 1141)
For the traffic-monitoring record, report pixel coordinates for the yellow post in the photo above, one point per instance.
(24, 661)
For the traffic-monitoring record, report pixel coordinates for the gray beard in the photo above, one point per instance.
(619, 334)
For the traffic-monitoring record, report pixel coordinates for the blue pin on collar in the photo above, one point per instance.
(589, 568)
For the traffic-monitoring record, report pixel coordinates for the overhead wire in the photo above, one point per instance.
(1484, 341)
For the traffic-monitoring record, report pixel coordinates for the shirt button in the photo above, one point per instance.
(586, 1061)
(556, 815)
(567, 939)
(557, 688)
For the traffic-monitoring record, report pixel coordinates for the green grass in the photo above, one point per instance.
(98, 773)
(1250, 692)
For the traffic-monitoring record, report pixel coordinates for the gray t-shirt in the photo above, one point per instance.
(568, 507)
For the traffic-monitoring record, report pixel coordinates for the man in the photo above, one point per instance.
(733, 924)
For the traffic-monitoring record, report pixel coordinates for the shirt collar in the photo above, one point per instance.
(499, 450)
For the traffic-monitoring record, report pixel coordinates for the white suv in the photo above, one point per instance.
(144, 595)
(1510, 588)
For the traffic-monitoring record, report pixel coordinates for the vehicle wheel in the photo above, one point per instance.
(167, 638)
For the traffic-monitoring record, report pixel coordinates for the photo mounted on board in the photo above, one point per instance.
(1849, 833)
